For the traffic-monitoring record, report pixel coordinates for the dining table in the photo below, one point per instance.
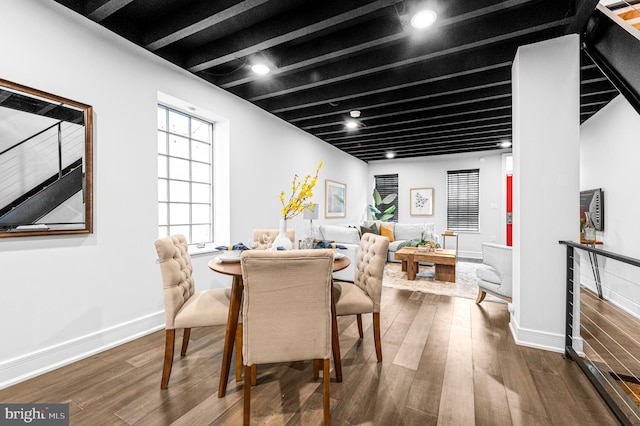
(233, 268)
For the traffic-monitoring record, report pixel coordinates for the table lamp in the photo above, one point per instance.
(310, 214)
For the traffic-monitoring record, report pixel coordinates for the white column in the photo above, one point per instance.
(546, 186)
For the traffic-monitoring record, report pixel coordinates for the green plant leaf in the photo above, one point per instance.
(385, 217)
(376, 197)
(390, 210)
(389, 199)
(374, 210)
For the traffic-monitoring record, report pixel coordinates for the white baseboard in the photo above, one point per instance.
(537, 339)
(33, 364)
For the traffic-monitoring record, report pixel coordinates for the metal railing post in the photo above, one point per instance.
(568, 342)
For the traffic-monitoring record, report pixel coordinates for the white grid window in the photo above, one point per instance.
(185, 186)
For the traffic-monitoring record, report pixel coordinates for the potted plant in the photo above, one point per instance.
(378, 201)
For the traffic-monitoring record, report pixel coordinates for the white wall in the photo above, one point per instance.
(67, 297)
(431, 172)
(546, 94)
(609, 152)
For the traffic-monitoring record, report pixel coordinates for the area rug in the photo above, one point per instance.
(465, 285)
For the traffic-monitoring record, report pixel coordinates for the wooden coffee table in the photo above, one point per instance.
(445, 261)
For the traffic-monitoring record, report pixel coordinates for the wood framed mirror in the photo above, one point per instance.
(46, 163)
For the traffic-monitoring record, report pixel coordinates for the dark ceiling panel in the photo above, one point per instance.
(446, 90)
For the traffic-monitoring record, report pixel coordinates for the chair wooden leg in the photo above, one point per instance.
(376, 335)
(254, 373)
(316, 369)
(359, 319)
(168, 357)
(247, 396)
(326, 400)
(481, 295)
(239, 353)
(186, 334)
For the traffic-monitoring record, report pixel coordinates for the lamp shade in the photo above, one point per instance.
(310, 215)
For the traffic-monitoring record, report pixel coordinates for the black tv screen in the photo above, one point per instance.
(592, 201)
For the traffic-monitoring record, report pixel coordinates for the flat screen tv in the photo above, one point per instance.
(592, 201)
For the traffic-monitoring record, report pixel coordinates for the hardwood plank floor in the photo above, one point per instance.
(445, 361)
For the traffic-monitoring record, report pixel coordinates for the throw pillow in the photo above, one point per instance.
(387, 231)
(372, 229)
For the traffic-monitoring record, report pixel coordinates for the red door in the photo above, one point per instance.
(509, 210)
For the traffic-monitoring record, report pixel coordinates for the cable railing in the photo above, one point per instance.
(601, 333)
(47, 152)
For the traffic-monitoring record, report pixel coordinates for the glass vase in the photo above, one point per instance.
(589, 227)
(282, 240)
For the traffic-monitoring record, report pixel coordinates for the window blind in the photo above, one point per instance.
(463, 200)
(387, 185)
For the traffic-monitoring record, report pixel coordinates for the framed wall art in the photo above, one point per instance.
(421, 200)
(335, 199)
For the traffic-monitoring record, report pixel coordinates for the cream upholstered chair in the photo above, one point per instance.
(495, 274)
(286, 312)
(272, 233)
(363, 296)
(184, 307)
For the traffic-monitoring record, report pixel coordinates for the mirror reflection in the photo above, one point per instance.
(45, 163)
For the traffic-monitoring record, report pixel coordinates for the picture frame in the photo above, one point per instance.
(592, 200)
(421, 201)
(335, 199)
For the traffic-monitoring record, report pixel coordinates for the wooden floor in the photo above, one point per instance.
(446, 361)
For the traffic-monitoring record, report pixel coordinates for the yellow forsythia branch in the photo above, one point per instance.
(301, 191)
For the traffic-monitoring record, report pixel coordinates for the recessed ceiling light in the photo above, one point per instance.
(354, 113)
(260, 69)
(390, 154)
(351, 124)
(504, 144)
(423, 19)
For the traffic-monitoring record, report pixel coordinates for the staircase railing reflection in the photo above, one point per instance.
(61, 137)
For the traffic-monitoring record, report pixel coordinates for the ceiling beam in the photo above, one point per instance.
(177, 27)
(409, 59)
(583, 11)
(502, 120)
(446, 88)
(301, 58)
(99, 10)
(482, 113)
(463, 67)
(270, 36)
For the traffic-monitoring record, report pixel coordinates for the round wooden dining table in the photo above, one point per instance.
(234, 270)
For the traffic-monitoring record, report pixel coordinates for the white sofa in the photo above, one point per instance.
(349, 237)
(405, 232)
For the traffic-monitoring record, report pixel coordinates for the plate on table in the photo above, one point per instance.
(338, 256)
(225, 259)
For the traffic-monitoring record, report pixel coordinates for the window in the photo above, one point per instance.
(463, 200)
(184, 176)
(388, 185)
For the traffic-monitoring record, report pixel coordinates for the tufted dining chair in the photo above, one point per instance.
(184, 307)
(363, 296)
(286, 312)
(272, 233)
